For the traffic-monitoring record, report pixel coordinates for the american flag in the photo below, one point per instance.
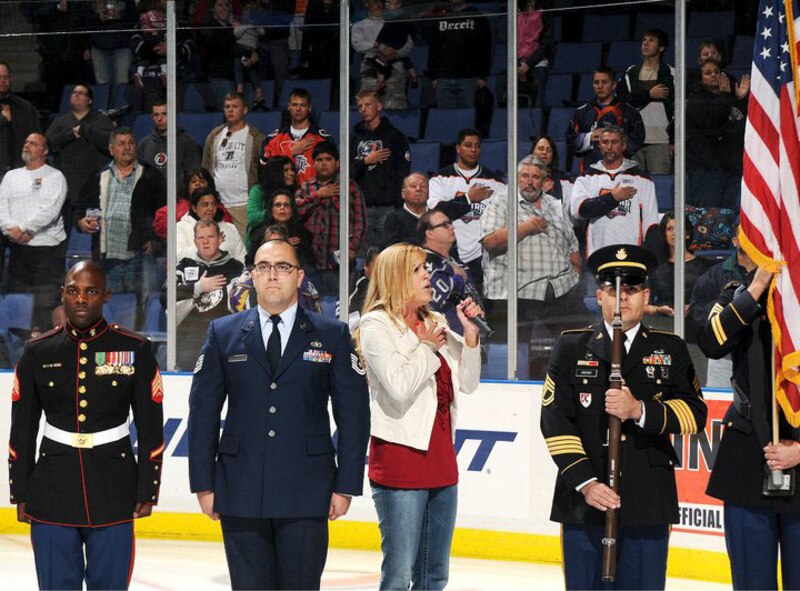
(770, 213)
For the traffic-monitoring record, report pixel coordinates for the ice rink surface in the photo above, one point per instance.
(165, 565)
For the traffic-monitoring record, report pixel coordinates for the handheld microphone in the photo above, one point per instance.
(486, 331)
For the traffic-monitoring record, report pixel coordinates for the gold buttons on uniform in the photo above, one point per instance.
(84, 346)
(123, 455)
(273, 386)
(51, 384)
(81, 418)
(83, 404)
(113, 382)
(82, 375)
(271, 433)
(153, 497)
(155, 482)
(83, 360)
(82, 389)
(730, 423)
(623, 438)
(155, 468)
(272, 410)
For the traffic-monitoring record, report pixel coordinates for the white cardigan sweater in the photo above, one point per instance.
(402, 382)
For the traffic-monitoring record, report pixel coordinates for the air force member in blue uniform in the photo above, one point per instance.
(274, 477)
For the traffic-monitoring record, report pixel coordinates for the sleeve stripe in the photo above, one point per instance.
(719, 332)
(737, 314)
(560, 438)
(685, 416)
(715, 310)
(679, 413)
(583, 459)
(664, 424)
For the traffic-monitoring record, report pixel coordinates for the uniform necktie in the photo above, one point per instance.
(274, 345)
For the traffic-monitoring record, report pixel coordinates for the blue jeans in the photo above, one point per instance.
(112, 67)
(416, 533)
(455, 93)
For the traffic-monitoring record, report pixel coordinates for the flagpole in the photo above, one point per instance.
(776, 475)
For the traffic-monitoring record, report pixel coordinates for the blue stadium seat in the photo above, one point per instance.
(585, 91)
(653, 20)
(496, 364)
(425, 156)
(320, 90)
(121, 309)
(499, 59)
(443, 124)
(79, 247)
(419, 57)
(718, 24)
(561, 151)
(16, 310)
(155, 320)
(529, 124)
(606, 27)
(198, 125)
(198, 98)
(329, 121)
(268, 88)
(576, 58)
(665, 191)
(622, 54)
(742, 54)
(406, 120)
(558, 90)
(143, 125)
(122, 96)
(266, 121)
(558, 122)
(494, 156)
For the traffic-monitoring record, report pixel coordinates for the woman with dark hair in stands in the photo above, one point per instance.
(277, 174)
(557, 184)
(662, 280)
(192, 179)
(281, 209)
(715, 123)
(714, 49)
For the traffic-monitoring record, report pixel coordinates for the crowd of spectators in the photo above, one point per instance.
(245, 184)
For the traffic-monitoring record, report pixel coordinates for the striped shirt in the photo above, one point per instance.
(117, 217)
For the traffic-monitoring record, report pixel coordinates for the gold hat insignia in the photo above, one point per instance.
(622, 254)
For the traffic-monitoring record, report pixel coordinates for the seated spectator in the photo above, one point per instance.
(204, 205)
(662, 279)
(583, 133)
(80, 140)
(245, 62)
(297, 137)
(318, 203)
(31, 198)
(359, 292)
(117, 208)
(204, 279)
(380, 160)
(534, 49)
(277, 174)
(557, 184)
(715, 123)
(383, 47)
(153, 148)
(616, 200)
(242, 296)
(191, 180)
(460, 56)
(110, 41)
(650, 87)
(282, 211)
(549, 262)
(218, 48)
(449, 277)
(401, 224)
(231, 155)
(461, 191)
(705, 292)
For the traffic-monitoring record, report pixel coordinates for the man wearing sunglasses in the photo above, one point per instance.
(660, 396)
(274, 478)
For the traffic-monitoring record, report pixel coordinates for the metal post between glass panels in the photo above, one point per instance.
(680, 161)
(344, 158)
(511, 166)
(172, 159)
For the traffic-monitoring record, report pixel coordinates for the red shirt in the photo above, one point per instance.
(399, 466)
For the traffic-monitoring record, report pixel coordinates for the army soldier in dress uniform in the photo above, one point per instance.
(660, 395)
(756, 524)
(86, 488)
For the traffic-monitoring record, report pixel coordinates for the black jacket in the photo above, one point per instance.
(381, 183)
(659, 372)
(715, 131)
(399, 226)
(24, 121)
(738, 325)
(461, 46)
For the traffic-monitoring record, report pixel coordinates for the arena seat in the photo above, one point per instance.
(266, 121)
(406, 120)
(653, 20)
(742, 54)
(576, 58)
(718, 24)
(198, 125)
(16, 310)
(558, 122)
(443, 124)
(121, 309)
(425, 156)
(606, 27)
(622, 54)
(585, 90)
(558, 90)
(496, 364)
(529, 124)
(665, 191)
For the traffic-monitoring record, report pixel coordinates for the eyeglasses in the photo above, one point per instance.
(447, 224)
(627, 288)
(281, 268)
(226, 139)
(282, 205)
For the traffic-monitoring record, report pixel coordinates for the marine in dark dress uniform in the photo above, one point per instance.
(756, 525)
(86, 487)
(661, 395)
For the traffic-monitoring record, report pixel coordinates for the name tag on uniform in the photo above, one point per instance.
(237, 358)
(317, 356)
(586, 372)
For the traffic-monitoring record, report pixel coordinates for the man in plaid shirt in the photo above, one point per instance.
(318, 205)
